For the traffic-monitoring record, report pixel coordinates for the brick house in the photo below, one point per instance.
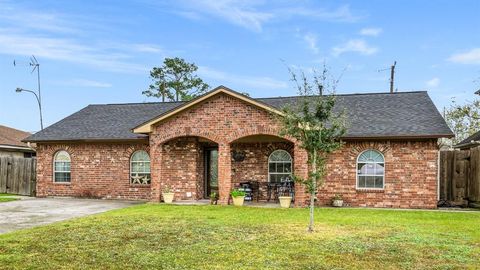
(223, 138)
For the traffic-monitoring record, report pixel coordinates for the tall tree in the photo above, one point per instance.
(463, 119)
(175, 80)
(318, 129)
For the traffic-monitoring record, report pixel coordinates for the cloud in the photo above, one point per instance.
(147, 48)
(106, 58)
(84, 83)
(11, 16)
(470, 57)
(373, 32)
(241, 13)
(250, 81)
(434, 82)
(341, 14)
(56, 36)
(311, 41)
(253, 15)
(354, 45)
(91, 83)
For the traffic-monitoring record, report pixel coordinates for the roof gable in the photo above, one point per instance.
(146, 127)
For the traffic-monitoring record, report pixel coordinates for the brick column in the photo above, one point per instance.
(155, 170)
(224, 172)
(300, 169)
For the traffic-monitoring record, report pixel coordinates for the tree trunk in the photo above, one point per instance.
(312, 191)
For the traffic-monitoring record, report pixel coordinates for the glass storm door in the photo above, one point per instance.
(211, 168)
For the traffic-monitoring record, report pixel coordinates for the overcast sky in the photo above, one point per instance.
(94, 52)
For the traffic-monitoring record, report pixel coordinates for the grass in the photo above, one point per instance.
(4, 197)
(219, 237)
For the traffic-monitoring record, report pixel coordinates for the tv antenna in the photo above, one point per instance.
(392, 74)
(36, 67)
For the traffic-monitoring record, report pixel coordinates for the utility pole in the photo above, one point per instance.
(392, 76)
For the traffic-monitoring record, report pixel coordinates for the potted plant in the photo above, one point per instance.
(168, 194)
(238, 197)
(285, 201)
(337, 200)
(213, 198)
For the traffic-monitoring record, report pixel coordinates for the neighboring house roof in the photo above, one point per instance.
(12, 138)
(472, 140)
(374, 115)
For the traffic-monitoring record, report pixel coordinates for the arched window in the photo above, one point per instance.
(279, 166)
(61, 167)
(140, 168)
(370, 170)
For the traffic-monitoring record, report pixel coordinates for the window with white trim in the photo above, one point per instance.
(61, 167)
(370, 170)
(140, 168)
(279, 166)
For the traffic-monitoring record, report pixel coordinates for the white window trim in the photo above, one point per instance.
(284, 162)
(131, 162)
(55, 171)
(383, 175)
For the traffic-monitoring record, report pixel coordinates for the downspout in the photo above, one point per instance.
(440, 143)
(438, 172)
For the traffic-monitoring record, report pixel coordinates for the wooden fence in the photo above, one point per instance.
(460, 176)
(17, 175)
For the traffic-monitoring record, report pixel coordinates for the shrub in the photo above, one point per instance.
(237, 193)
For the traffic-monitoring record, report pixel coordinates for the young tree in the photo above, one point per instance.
(175, 80)
(463, 119)
(318, 129)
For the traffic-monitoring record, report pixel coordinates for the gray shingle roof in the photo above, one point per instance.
(402, 114)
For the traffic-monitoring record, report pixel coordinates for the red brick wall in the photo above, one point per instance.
(182, 168)
(411, 167)
(410, 175)
(221, 119)
(100, 170)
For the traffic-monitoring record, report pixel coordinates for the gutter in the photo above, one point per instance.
(99, 140)
(13, 147)
(464, 145)
(400, 137)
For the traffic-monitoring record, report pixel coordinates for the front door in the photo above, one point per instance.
(211, 171)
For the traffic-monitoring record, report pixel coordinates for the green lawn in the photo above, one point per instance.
(220, 237)
(4, 197)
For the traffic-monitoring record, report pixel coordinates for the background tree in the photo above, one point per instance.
(463, 119)
(175, 80)
(316, 126)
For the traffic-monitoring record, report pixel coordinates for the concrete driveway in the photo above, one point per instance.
(30, 212)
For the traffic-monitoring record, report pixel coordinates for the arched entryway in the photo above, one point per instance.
(187, 165)
(195, 166)
(265, 164)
